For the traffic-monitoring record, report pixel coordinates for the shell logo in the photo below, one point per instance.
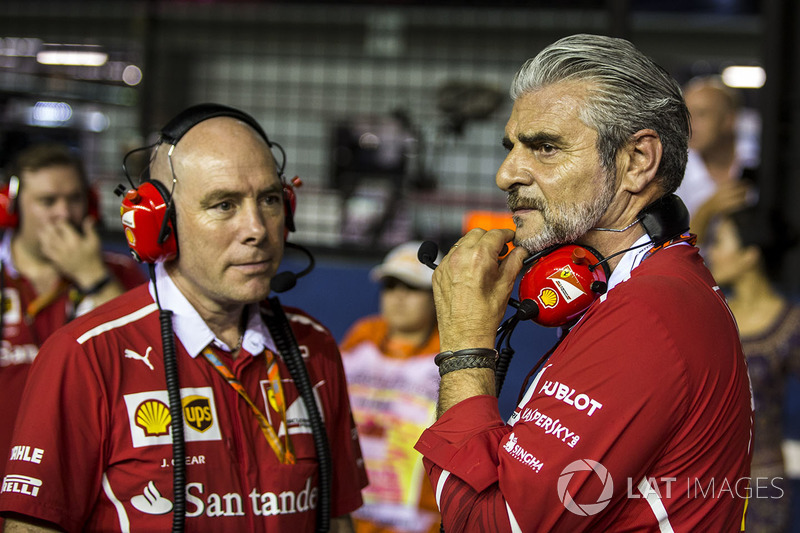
(153, 417)
(129, 235)
(548, 297)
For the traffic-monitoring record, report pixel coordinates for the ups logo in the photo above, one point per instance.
(197, 412)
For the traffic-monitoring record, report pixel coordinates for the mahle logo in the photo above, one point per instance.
(591, 508)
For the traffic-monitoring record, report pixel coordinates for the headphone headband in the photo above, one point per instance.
(192, 116)
(665, 219)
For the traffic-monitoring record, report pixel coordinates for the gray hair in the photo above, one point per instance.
(628, 92)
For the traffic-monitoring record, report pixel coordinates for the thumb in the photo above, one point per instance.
(511, 266)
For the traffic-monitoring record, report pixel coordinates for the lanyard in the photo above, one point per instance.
(283, 450)
(43, 300)
(689, 238)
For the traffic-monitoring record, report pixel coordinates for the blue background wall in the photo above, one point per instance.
(339, 292)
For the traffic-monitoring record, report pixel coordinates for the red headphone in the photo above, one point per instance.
(565, 279)
(9, 214)
(9, 217)
(147, 211)
(564, 282)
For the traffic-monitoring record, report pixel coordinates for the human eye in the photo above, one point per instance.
(222, 206)
(547, 149)
(542, 145)
(272, 200)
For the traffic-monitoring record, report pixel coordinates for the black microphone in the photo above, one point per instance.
(427, 253)
(526, 309)
(284, 281)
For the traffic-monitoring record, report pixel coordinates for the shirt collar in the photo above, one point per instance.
(191, 329)
(630, 260)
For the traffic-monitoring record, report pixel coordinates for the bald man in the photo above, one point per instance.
(99, 457)
(712, 183)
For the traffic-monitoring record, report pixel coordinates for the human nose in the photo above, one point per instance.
(259, 221)
(255, 223)
(59, 210)
(512, 173)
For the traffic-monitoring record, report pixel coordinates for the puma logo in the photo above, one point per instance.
(130, 354)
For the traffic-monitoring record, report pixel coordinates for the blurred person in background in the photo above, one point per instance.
(717, 159)
(52, 267)
(393, 387)
(745, 253)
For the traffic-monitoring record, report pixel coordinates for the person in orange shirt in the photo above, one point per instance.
(393, 390)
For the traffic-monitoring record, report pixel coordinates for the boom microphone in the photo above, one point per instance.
(427, 253)
(284, 281)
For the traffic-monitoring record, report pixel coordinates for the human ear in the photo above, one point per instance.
(643, 157)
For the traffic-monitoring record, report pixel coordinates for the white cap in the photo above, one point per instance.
(402, 263)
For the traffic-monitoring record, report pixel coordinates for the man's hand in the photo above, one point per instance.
(75, 254)
(471, 287)
(728, 197)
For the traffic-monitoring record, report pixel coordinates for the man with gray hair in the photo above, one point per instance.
(640, 417)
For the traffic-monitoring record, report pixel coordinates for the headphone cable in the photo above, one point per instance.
(175, 410)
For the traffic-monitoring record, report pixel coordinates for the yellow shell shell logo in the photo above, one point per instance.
(548, 297)
(129, 235)
(153, 417)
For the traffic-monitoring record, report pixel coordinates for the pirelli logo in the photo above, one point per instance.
(150, 419)
(21, 484)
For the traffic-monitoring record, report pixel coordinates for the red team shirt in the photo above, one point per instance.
(92, 449)
(640, 420)
(24, 334)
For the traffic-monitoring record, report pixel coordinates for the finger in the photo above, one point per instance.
(513, 263)
(470, 238)
(49, 233)
(498, 238)
(88, 225)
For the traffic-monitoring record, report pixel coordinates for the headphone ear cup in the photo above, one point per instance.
(564, 283)
(9, 218)
(289, 206)
(149, 223)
